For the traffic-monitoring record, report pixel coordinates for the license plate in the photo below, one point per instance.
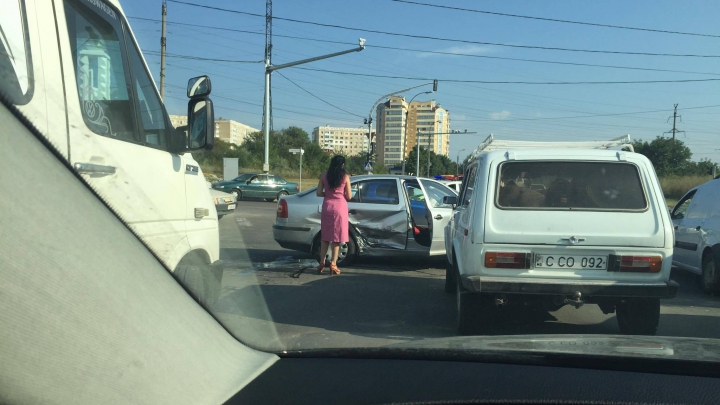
(231, 206)
(563, 262)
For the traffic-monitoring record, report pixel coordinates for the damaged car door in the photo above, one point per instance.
(378, 214)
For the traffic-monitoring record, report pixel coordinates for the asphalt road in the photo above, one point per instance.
(273, 299)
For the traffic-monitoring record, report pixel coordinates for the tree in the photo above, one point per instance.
(439, 164)
(669, 156)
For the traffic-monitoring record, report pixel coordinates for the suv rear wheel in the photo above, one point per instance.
(638, 316)
(472, 310)
(710, 274)
(450, 276)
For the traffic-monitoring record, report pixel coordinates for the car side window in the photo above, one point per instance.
(383, 191)
(435, 193)
(101, 72)
(16, 74)
(152, 114)
(467, 187)
(682, 206)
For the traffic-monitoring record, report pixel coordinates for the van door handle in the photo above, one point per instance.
(91, 168)
(438, 216)
(353, 212)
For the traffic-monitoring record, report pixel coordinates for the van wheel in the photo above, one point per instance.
(469, 310)
(638, 316)
(710, 274)
(237, 193)
(346, 255)
(202, 279)
(450, 282)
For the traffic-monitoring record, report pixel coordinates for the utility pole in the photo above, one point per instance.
(163, 40)
(457, 163)
(267, 108)
(453, 132)
(674, 129)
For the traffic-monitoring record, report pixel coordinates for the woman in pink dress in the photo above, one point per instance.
(334, 186)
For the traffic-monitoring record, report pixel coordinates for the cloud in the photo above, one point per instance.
(464, 49)
(502, 115)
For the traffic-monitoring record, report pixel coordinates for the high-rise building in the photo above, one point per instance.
(348, 141)
(227, 130)
(426, 121)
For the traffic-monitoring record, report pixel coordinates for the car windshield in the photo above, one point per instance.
(557, 224)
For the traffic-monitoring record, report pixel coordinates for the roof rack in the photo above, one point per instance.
(490, 144)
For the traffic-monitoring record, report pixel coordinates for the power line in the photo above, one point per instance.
(512, 82)
(557, 20)
(464, 41)
(306, 91)
(427, 51)
(174, 55)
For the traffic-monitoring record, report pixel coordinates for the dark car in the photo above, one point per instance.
(257, 185)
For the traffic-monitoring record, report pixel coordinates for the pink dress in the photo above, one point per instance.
(334, 216)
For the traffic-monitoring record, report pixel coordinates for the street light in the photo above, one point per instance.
(405, 134)
(271, 68)
(457, 162)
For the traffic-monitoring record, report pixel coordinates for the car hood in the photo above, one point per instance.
(677, 348)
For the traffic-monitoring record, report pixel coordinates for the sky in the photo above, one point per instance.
(507, 110)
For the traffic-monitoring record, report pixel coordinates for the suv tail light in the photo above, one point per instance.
(638, 264)
(507, 260)
(282, 209)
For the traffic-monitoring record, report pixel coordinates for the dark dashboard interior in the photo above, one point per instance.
(397, 381)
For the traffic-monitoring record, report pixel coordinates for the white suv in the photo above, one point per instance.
(697, 233)
(558, 224)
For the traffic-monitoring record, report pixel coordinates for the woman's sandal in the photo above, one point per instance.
(334, 269)
(321, 267)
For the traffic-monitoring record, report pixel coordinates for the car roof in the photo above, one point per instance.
(388, 176)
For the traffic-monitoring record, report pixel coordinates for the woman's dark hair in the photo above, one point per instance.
(336, 172)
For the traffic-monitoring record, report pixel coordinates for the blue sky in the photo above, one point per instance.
(510, 111)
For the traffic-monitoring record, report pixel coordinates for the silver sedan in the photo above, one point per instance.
(388, 215)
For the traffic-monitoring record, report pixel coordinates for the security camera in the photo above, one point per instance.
(362, 42)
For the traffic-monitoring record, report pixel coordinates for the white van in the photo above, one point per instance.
(75, 70)
(697, 233)
(554, 224)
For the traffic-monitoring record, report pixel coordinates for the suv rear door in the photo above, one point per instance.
(602, 203)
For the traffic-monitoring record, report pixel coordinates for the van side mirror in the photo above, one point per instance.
(450, 199)
(199, 87)
(201, 125)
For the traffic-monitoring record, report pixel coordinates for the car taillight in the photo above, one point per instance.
(297, 188)
(637, 264)
(282, 209)
(506, 260)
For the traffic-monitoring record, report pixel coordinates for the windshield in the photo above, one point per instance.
(567, 245)
(570, 185)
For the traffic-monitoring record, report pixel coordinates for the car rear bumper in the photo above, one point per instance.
(590, 288)
(293, 237)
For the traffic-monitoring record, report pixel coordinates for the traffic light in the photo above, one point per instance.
(435, 85)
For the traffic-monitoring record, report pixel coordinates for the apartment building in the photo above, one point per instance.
(427, 122)
(227, 130)
(348, 141)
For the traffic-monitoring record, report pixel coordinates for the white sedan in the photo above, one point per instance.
(388, 215)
